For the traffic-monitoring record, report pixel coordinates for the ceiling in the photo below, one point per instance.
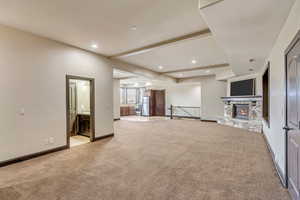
(203, 50)
(116, 27)
(110, 28)
(118, 74)
(107, 23)
(247, 31)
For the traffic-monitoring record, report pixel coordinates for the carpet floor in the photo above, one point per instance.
(152, 160)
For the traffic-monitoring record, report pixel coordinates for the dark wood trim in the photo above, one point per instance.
(92, 105)
(103, 137)
(67, 112)
(31, 156)
(267, 69)
(278, 170)
(286, 52)
(179, 116)
(118, 119)
(207, 120)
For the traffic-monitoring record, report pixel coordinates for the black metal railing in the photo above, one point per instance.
(184, 112)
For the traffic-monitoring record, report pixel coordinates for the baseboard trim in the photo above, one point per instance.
(187, 117)
(278, 170)
(117, 119)
(104, 136)
(207, 120)
(31, 156)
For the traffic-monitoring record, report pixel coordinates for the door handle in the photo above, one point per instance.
(287, 128)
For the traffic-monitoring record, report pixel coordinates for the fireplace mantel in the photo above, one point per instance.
(242, 98)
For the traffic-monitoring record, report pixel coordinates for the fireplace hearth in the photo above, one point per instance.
(240, 111)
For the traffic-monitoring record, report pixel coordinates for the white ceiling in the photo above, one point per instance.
(248, 30)
(122, 74)
(204, 50)
(106, 23)
(240, 31)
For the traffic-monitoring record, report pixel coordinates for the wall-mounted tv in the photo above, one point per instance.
(242, 88)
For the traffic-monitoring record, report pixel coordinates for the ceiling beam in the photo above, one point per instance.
(207, 3)
(194, 78)
(203, 33)
(197, 68)
(140, 71)
(127, 77)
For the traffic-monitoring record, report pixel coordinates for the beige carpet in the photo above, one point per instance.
(161, 160)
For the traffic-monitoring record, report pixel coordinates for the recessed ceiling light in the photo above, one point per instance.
(94, 46)
(148, 84)
(160, 67)
(194, 61)
(134, 28)
(207, 71)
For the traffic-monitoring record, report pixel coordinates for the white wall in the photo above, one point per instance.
(116, 94)
(275, 134)
(183, 95)
(212, 107)
(258, 82)
(33, 79)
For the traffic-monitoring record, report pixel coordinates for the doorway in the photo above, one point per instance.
(157, 103)
(293, 118)
(80, 100)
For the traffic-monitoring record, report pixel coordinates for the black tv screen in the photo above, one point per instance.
(243, 88)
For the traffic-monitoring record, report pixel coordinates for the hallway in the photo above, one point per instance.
(159, 159)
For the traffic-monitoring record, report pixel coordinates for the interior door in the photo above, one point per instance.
(160, 108)
(293, 120)
(72, 107)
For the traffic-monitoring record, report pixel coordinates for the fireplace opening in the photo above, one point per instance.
(240, 111)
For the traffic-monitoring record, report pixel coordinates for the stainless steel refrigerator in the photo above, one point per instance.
(145, 106)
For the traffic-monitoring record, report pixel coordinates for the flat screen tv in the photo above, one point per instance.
(243, 88)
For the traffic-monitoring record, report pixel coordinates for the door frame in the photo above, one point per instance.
(92, 106)
(295, 40)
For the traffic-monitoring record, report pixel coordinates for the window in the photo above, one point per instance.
(131, 95)
(266, 95)
(123, 95)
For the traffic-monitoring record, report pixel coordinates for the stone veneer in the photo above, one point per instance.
(255, 113)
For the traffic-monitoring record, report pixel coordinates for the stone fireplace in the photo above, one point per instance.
(240, 111)
(243, 112)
